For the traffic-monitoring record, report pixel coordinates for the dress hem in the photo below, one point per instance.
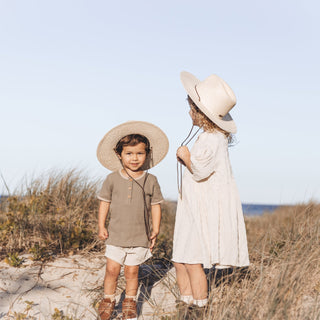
(217, 265)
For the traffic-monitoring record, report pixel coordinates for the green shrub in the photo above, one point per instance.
(13, 260)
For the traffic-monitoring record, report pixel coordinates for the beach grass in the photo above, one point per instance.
(56, 215)
(283, 280)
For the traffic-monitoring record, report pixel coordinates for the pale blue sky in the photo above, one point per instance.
(71, 70)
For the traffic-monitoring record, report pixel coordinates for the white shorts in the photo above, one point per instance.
(129, 256)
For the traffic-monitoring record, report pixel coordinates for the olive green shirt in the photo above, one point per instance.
(127, 225)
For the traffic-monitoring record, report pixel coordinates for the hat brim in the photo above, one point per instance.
(158, 142)
(189, 82)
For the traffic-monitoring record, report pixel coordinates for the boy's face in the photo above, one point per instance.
(133, 157)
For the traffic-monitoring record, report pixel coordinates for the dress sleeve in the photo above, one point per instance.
(105, 193)
(203, 159)
(156, 195)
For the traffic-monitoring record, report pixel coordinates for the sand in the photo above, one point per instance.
(72, 286)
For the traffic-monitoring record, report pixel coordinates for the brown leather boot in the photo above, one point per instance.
(129, 309)
(106, 308)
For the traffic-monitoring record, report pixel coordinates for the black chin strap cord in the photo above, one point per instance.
(179, 165)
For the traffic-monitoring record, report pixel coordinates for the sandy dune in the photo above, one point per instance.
(73, 286)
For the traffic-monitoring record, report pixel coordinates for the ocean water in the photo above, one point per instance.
(250, 209)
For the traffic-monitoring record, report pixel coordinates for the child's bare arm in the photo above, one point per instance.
(183, 156)
(156, 219)
(102, 216)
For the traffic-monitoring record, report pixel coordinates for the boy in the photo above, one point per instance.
(128, 194)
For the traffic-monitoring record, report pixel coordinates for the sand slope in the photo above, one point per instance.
(72, 286)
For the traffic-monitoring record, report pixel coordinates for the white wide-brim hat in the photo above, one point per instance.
(213, 97)
(159, 144)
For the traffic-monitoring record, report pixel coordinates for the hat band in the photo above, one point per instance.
(195, 88)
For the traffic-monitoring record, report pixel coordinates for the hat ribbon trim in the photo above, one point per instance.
(195, 88)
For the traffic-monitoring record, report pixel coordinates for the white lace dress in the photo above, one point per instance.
(209, 227)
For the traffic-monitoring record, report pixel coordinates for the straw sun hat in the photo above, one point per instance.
(213, 97)
(159, 144)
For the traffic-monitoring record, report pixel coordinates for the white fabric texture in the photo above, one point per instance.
(209, 227)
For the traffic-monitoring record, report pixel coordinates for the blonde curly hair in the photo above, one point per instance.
(206, 123)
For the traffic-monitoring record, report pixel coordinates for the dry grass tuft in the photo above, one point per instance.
(54, 214)
(284, 277)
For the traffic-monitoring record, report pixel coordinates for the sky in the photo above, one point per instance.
(72, 70)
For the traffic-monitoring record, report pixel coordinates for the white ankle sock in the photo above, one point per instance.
(110, 296)
(131, 297)
(200, 303)
(186, 299)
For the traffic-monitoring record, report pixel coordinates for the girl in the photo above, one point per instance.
(127, 195)
(209, 228)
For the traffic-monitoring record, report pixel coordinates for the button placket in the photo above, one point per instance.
(130, 187)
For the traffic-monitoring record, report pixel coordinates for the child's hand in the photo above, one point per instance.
(183, 153)
(103, 234)
(180, 161)
(153, 239)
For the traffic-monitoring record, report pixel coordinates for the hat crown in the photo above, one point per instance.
(215, 95)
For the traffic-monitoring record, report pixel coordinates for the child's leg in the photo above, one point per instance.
(186, 298)
(183, 280)
(129, 305)
(107, 304)
(198, 282)
(131, 276)
(111, 277)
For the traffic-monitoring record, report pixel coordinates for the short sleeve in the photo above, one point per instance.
(105, 193)
(203, 159)
(156, 195)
